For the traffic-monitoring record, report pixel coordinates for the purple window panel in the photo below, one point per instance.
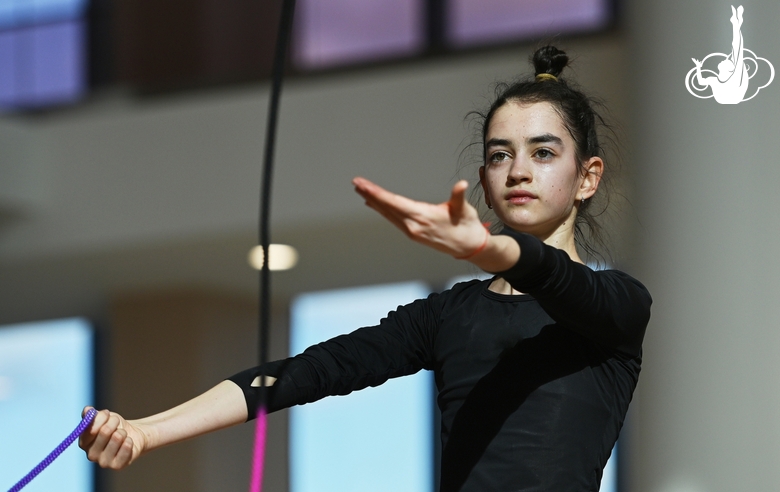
(336, 32)
(42, 65)
(59, 62)
(475, 22)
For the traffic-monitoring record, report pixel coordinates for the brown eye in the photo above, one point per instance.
(499, 157)
(543, 154)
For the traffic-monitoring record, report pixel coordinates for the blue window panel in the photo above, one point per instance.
(42, 65)
(378, 439)
(46, 378)
(478, 22)
(338, 32)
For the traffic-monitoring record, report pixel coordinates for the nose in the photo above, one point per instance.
(519, 172)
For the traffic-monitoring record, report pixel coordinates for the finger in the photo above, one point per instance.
(414, 224)
(108, 456)
(363, 186)
(412, 217)
(85, 436)
(378, 205)
(381, 196)
(91, 432)
(390, 215)
(367, 189)
(398, 218)
(369, 196)
(457, 200)
(125, 454)
(103, 438)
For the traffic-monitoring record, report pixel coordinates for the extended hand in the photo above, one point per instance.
(452, 227)
(111, 441)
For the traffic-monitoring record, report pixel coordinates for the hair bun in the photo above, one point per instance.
(549, 59)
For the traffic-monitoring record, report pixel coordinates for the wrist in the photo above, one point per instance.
(479, 248)
(499, 254)
(148, 435)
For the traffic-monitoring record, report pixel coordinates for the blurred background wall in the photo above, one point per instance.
(138, 211)
(707, 407)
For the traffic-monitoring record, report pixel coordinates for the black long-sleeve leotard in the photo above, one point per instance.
(533, 389)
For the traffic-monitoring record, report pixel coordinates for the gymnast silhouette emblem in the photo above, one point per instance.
(730, 84)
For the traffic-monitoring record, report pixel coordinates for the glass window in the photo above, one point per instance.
(46, 378)
(338, 32)
(378, 439)
(42, 52)
(478, 22)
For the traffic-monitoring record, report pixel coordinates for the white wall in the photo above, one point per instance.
(708, 402)
(22, 183)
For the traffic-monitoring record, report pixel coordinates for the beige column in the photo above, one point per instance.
(707, 413)
(170, 346)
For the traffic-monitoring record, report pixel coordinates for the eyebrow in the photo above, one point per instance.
(497, 142)
(544, 138)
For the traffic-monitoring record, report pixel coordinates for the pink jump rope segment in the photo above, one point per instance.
(256, 484)
(88, 418)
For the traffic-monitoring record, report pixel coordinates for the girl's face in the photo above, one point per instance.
(531, 176)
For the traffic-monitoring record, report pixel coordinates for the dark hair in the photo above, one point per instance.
(579, 118)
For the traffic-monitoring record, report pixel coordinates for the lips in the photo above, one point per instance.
(519, 197)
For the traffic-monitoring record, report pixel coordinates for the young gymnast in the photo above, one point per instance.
(731, 84)
(535, 368)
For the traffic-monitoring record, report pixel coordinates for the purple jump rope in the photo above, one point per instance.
(57, 451)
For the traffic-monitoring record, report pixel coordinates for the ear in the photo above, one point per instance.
(593, 169)
(484, 186)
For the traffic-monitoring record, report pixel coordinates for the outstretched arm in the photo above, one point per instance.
(452, 227)
(113, 442)
(701, 80)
